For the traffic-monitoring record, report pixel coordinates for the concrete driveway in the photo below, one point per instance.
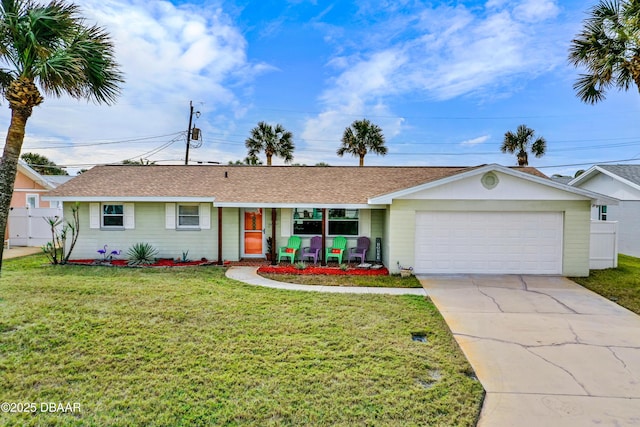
(547, 351)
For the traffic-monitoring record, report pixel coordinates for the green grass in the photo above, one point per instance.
(621, 284)
(187, 346)
(393, 281)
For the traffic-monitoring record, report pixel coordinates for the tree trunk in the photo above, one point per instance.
(9, 165)
(361, 160)
(268, 159)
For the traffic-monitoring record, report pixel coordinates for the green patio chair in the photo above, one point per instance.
(293, 246)
(337, 249)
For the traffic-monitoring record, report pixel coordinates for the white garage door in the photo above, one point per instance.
(489, 242)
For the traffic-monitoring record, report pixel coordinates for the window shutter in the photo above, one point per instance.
(94, 215)
(205, 216)
(364, 228)
(286, 222)
(170, 216)
(129, 216)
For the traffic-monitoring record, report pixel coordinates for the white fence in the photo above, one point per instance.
(28, 227)
(603, 247)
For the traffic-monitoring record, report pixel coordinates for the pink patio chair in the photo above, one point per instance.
(313, 251)
(360, 251)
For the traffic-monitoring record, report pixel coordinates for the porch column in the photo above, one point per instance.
(274, 217)
(220, 235)
(324, 237)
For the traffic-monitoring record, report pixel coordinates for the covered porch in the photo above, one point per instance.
(252, 235)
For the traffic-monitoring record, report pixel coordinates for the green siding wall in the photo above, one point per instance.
(575, 259)
(149, 228)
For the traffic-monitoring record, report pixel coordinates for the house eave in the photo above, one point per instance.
(297, 205)
(129, 199)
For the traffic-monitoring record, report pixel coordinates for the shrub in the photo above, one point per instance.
(141, 254)
(301, 265)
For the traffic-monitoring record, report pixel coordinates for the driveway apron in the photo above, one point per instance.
(547, 351)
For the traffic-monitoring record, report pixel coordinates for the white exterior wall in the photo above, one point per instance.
(627, 213)
(609, 186)
(628, 217)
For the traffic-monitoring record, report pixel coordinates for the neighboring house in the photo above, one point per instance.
(485, 219)
(29, 188)
(621, 182)
(27, 202)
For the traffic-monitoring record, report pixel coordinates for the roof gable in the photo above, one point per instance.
(606, 180)
(510, 184)
(33, 175)
(626, 174)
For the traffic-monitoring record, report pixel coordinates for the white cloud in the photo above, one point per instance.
(536, 10)
(444, 52)
(169, 55)
(475, 141)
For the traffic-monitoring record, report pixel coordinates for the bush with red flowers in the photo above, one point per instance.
(292, 269)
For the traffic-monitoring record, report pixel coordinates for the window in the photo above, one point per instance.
(307, 221)
(188, 216)
(343, 222)
(32, 201)
(602, 212)
(112, 215)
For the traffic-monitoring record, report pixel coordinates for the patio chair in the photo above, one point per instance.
(293, 246)
(337, 249)
(360, 251)
(312, 251)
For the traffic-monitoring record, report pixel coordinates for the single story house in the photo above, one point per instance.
(623, 183)
(484, 219)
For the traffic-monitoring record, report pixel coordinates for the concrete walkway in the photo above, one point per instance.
(18, 251)
(249, 275)
(547, 351)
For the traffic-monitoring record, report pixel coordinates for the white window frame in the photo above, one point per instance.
(178, 216)
(36, 201)
(602, 212)
(102, 216)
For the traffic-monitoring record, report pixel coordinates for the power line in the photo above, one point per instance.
(125, 141)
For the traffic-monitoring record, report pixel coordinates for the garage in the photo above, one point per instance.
(489, 242)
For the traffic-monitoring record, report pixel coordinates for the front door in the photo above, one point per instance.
(252, 232)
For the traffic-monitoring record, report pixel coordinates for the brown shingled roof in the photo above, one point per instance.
(253, 184)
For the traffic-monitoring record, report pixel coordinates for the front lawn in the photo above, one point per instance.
(187, 346)
(621, 284)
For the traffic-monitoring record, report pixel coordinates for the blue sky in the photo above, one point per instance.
(444, 80)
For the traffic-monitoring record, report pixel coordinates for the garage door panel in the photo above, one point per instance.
(489, 242)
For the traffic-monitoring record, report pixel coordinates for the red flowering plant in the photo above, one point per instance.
(319, 270)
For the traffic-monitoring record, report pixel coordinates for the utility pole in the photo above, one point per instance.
(186, 156)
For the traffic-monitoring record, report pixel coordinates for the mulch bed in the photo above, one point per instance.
(337, 271)
(158, 263)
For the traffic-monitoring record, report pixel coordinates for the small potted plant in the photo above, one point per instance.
(405, 271)
(269, 248)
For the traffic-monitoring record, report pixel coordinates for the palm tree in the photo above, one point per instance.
(48, 46)
(273, 141)
(519, 142)
(42, 164)
(360, 138)
(609, 48)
